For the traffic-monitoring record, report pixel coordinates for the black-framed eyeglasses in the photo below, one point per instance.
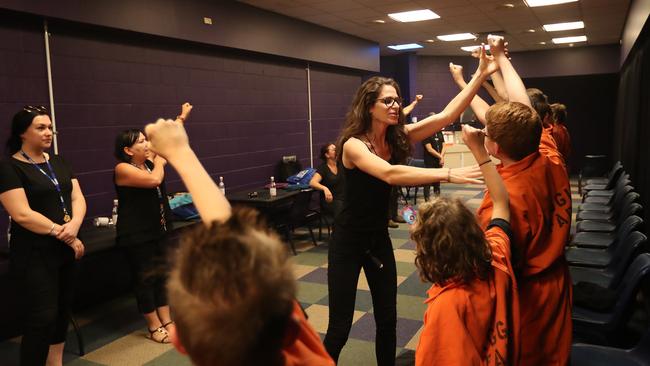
(390, 101)
(35, 109)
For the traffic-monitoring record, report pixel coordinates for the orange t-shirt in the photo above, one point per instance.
(307, 349)
(540, 215)
(563, 140)
(474, 323)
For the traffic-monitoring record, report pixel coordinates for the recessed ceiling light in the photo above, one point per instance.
(529, 31)
(414, 15)
(563, 26)
(429, 40)
(542, 43)
(456, 37)
(378, 21)
(505, 6)
(534, 3)
(406, 46)
(570, 39)
(570, 44)
(472, 48)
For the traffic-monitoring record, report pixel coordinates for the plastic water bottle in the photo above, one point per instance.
(114, 212)
(222, 187)
(273, 191)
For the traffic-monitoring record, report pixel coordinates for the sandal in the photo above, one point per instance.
(159, 335)
(171, 322)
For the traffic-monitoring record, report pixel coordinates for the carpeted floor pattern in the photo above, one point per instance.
(114, 333)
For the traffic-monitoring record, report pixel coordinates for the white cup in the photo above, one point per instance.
(101, 221)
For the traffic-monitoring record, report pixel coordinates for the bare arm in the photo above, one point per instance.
(409, 108)
(128, 175)
(16, 204)
(499, 86)
(478, 105)
(493, 93)
(513, 83)
(315, 183)
(432, 151)
(432, 124)
(473, 138)
(169, 139)
(356, 154)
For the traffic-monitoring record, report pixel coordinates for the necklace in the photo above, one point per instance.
(372, 147)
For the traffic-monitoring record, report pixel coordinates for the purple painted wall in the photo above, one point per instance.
(249, 110)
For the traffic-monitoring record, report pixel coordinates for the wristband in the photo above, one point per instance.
(51, 229)
(485, 162)
(180, 117)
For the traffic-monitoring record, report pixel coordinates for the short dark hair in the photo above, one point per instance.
(559, 113)
(232, 288)
(323, 150)
(449, 244)
(19, 124)
(124, 139)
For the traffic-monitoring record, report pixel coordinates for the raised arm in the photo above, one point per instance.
(513, 84)
(169, 139)
(478, 105)
(473, 138)
(127, 175)
(492, 91)
(409, 108)
(186, 108)
(356, 154)
(499, 85)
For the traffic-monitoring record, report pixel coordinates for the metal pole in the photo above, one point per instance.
(311, 140)
(49, 86)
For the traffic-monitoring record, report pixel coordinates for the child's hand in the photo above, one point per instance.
(167, 137)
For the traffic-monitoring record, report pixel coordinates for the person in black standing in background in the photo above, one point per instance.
(143, 223)
(329, 179)
(434, 157)
(44, 200)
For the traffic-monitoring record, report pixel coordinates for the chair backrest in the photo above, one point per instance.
(619, 193)
(300, 206)
(629, 208)
(628, 197)
(615, 173)
(641, 351)
(635, 274)
(624, 255)
(630, 224)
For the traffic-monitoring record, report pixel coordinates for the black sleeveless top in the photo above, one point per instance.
(366, 202)
(138, 213)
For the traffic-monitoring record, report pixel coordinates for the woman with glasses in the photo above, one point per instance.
(44, 200)
(144, 220)
(374, 142)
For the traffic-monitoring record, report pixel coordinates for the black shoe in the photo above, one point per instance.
(392, 224)
(399, 219)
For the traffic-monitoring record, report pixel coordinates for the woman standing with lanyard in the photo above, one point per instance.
(46, 205)
(144, 220)
(373, 140)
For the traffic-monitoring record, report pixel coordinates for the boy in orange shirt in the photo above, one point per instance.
(472, 314)
(231, 286)
(535, 176)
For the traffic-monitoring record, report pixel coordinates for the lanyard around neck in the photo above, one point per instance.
(53, 179)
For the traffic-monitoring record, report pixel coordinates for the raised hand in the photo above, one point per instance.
(186, 108)
(497, 45)
(487, 64)
(419, 97)
(167, 137)
(456, 73)
(474, 138)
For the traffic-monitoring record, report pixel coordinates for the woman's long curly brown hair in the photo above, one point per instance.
(450, 245)
(358, 120)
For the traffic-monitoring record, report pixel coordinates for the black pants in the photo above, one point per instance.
(348, 253)
(436, 186)
(392, 202)
(45, 290)
(146, 260)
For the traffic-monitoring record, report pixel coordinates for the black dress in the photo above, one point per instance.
(335, 183)
(41, 265)
(360, 240)
(142, 235)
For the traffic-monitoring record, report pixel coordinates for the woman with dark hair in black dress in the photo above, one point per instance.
(44, 200)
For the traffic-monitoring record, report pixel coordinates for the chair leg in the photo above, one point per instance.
(320, 228)
(77, 332)
(313, 238)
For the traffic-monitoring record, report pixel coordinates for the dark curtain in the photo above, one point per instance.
(632, 136)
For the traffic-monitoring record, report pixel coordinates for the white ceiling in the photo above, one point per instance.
(604, 21)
